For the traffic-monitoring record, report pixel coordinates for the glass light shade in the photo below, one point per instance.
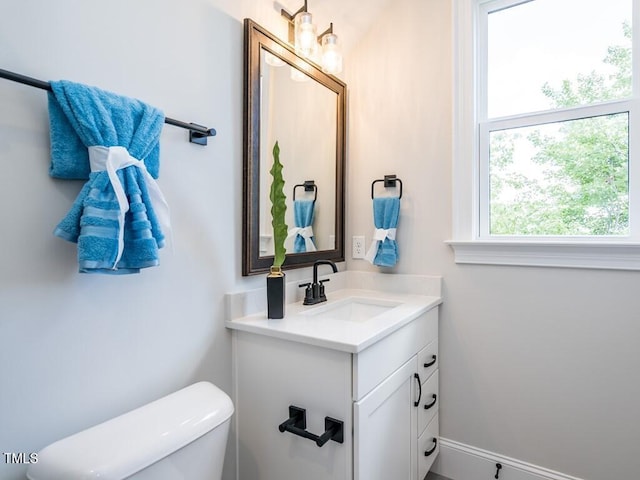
(305, 34)
(298, 76)
(272, 60)
(331, 55)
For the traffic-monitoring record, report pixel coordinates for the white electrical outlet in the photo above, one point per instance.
(357, 246)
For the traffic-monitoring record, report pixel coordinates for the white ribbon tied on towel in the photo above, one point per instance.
(306, 233)
(113, 159)
(379, 235)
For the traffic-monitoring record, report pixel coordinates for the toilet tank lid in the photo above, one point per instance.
(131, 442)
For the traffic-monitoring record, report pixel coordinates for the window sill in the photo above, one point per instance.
(611, 255)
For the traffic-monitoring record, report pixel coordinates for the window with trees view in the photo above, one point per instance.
(556, 119)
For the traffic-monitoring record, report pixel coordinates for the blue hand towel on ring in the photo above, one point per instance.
(383, 251)
(303, 231)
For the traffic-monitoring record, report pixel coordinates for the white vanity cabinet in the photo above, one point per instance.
(396, 422)
(385, 393)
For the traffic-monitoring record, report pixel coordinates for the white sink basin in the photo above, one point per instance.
(351, 320)
(352, 309)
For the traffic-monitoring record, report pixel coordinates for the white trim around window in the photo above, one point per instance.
(612, 256)
(467, 243)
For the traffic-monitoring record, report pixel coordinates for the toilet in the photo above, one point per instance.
(180, 436)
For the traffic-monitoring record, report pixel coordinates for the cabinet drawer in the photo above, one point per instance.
(428, 447)
(374, 364)
(428, 360)
(429, 402)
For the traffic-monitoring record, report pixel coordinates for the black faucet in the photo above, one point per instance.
(314, 293)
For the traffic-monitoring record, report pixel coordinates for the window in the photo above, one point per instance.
(545, 114)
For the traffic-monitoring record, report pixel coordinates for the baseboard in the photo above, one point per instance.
(458, 461)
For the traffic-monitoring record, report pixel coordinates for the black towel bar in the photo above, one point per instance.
(197, 133)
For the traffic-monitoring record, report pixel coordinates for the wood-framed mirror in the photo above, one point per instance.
(290, 100)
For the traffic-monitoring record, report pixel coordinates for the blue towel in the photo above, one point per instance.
(384, 249)
(303, 217)
(81, 117)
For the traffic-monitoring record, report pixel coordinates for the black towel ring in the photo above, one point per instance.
(389, 182)
(309, 186)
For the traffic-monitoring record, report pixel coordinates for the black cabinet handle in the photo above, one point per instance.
(433, 449)
(297, 424)
(417, 377)
(427, 365)
(435, 399)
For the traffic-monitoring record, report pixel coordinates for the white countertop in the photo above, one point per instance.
(338, 334)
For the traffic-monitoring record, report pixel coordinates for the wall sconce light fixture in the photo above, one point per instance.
(305, 34)
(331, 55)
(302, 34)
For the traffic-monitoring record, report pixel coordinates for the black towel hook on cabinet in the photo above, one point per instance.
(297, 424)
(389, 182)
(197, 133)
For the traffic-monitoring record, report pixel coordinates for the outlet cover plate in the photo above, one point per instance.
(357, 246)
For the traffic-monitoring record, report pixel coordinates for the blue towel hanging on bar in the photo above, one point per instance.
(120, 218)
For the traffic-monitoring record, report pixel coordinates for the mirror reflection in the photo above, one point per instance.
(300, 114)
(290, 100)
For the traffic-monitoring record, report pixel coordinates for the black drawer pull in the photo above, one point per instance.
(433, 449)
(435, 399)
(427, 365)
(417, 377)
(297, 424)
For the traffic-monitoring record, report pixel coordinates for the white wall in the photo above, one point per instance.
(536, 364)
(78, 349)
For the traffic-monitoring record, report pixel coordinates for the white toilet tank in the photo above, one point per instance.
(180, 436)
